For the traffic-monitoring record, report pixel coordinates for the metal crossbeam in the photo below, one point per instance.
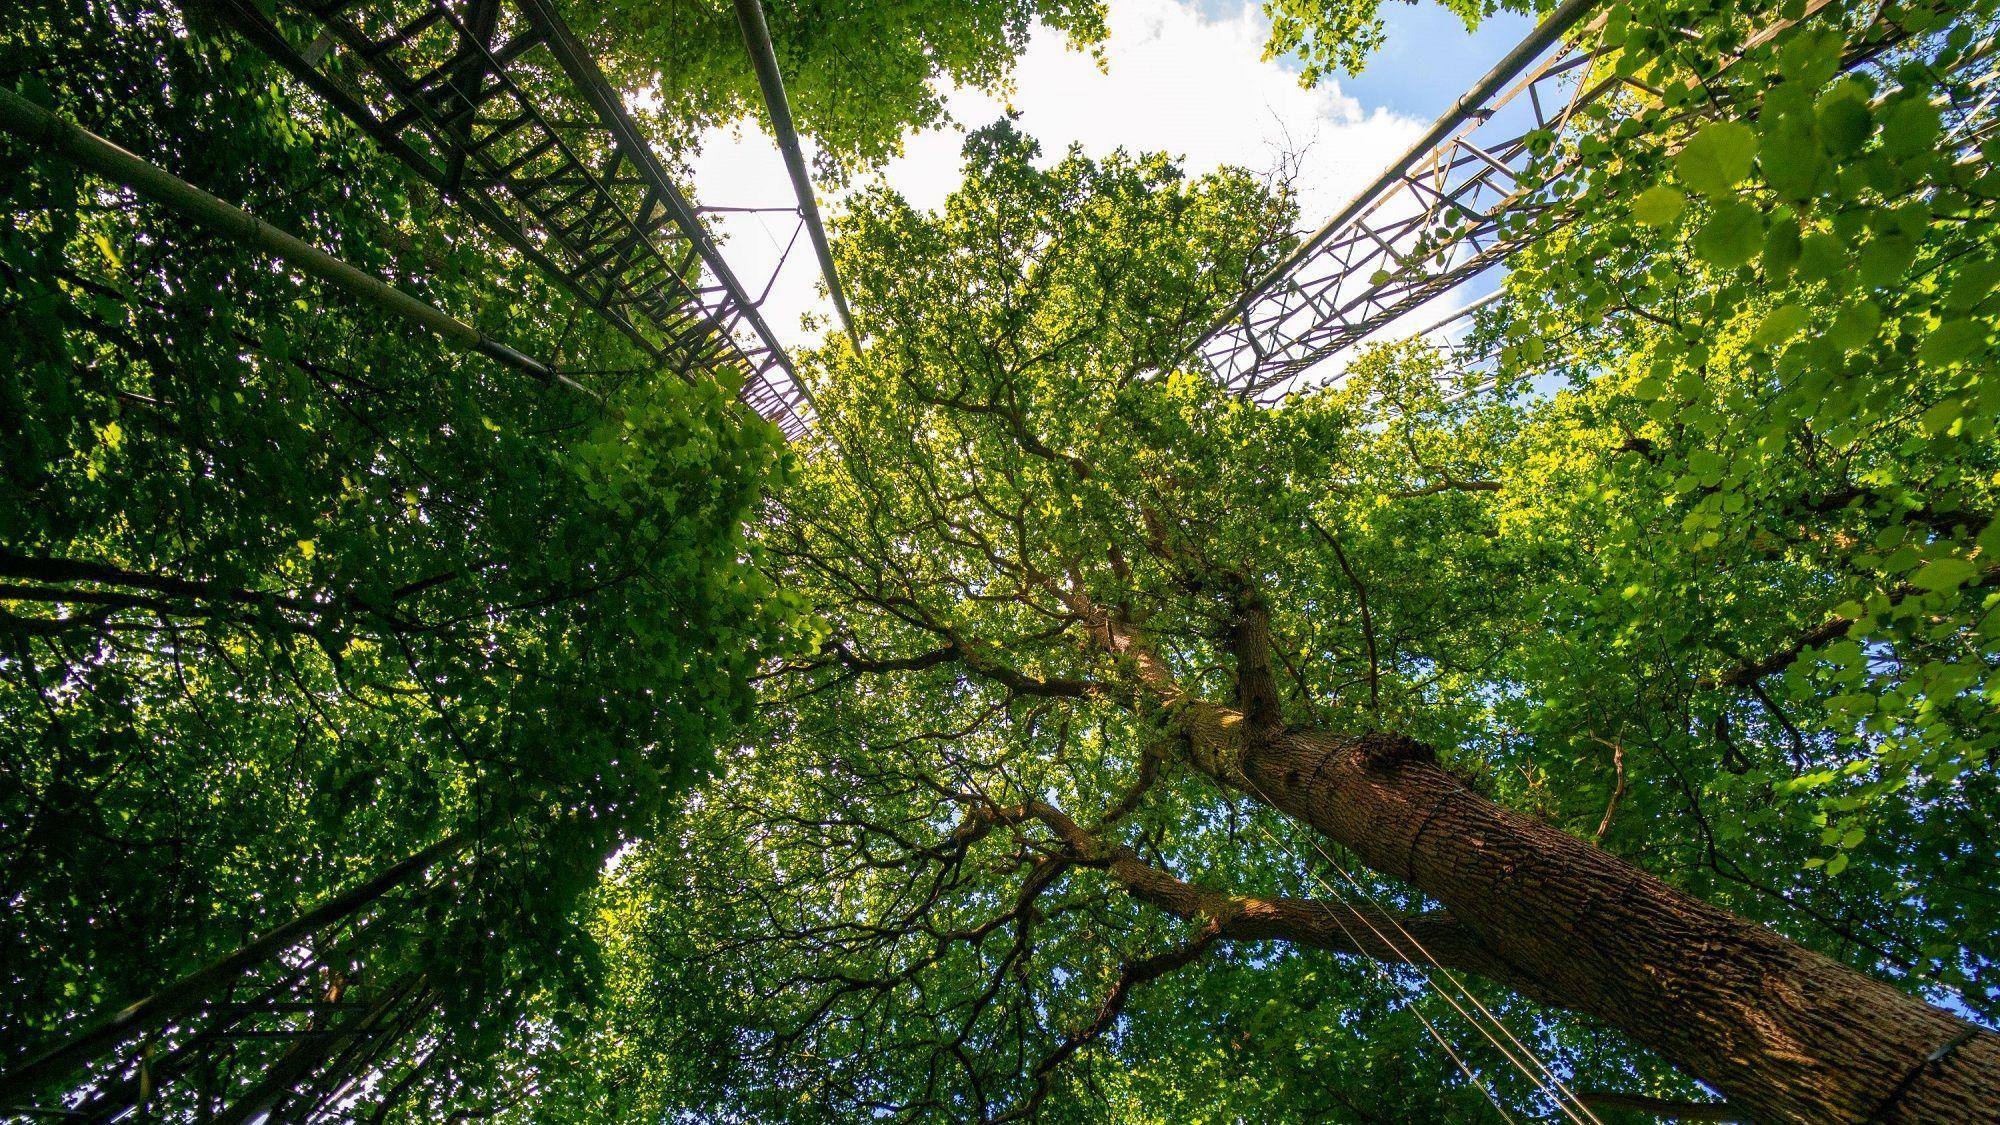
(1437, 217)
(499, 106)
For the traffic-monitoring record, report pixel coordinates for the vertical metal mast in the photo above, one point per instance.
(757, 38)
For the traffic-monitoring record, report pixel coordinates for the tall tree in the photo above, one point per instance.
(288, 594)
(286, 598)
(1121, 677)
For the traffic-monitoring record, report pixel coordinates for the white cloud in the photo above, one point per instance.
(1175, 80)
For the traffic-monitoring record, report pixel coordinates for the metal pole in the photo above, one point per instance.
(87, 150)
(757, 38)
(582, 71)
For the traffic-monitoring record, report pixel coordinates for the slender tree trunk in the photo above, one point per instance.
(293, 1070)
(189, 992)
(1786, 1034)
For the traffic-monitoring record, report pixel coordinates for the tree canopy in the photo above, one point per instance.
(1694, 583)
(1330, 36)
(1592, 716)
(859, 75)
(289, 597)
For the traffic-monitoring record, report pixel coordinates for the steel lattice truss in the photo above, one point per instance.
(1455, 206)
(1436, 218)
(499, 106)
(1970, 118)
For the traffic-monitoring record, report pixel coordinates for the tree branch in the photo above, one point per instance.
(1617, 789)
(1131, 975)
(1659, 1107)
(1329, 924)
(1367, 617)
(1256, 687)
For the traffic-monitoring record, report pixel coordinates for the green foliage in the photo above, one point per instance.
(288, 592)
(1707, 577)
(1339, 36)
(859, 74)
(1717, 158)
(1772, 555)
(1009, 434)
(1714, 588)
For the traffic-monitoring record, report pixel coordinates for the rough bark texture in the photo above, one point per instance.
(1786, 1034)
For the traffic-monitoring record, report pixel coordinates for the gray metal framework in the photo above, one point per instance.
(1969, 122)
(1456, 205)
(1436, 218)
(498, 105)
(764, 57)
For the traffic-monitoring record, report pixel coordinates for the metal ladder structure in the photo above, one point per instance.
(499, 106)
(1436, 218)
(1452, 208)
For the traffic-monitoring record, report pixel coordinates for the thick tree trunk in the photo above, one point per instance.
(1786, 1034)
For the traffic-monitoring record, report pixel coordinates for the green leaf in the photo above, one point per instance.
(1658, 206)
(1791, 158)
(1989, 539)
(1821, 257)
(1910, 127)
(1732, 235)
(1954, 341)
(1975, 280)
(1811, 57)
(1855, 327)
(1940, 575)
(1782, 248)
(1885, 260)
(1845, 121)
(1942, 417)
(1718, 158)
(1779, 325)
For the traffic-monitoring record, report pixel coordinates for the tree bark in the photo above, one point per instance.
(1786, 1034)
(1330, 924)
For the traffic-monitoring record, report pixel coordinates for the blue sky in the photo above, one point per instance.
(1181, 76)
(1429, 58)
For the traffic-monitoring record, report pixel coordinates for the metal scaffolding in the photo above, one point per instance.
(1434, 219)
(1455, 206)
(499, 106)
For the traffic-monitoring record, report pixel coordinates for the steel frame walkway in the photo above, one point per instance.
(1453, 207)
(1434, 219)
(499, 106)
